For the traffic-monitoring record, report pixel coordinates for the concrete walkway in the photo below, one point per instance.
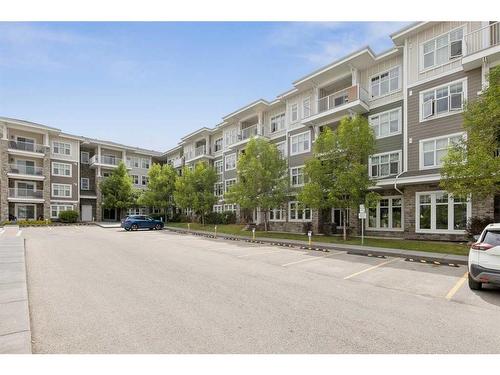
(15, 331)
(375, 251)
(108, 224)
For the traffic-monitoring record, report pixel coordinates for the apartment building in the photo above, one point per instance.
(413, 96)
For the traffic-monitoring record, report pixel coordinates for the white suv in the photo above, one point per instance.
(484, 258)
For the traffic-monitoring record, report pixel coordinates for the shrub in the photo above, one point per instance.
(68, 216)
(226, 217)
(158, 216)
(476, 224)
(23, 223)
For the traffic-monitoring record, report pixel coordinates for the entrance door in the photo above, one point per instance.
(26, 212)
(109, 214)
(87, 212)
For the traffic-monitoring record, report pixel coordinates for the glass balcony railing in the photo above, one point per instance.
(25, 169)
(25, 193)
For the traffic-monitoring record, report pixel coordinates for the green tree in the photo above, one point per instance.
(337, 174)
(195, 189)
(472, 165)
(117, 191)
(262, 178)
(160, 189)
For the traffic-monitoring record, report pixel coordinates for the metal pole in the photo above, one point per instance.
(362, 231)
(216, 231)
(189, 226)
(253, 234)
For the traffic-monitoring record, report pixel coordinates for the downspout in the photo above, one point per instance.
(396, 183)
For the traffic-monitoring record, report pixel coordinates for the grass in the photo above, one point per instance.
(429, 246)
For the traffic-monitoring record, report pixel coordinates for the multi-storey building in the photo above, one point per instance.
(413, 96)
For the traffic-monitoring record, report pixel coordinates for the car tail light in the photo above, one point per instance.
(482, 246)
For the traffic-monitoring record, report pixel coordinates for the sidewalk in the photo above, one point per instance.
(15, 331)
(358, 249)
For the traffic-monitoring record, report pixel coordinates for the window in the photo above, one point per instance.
(144, 180)
(218, 189)
(218, 166)
(281, 148)
(145, 163)
(26, 211)
(25, 144)
(229, 183)
(55, 209)
(133, 162)
(61, 169)
(135, 179)
(61, 148)
(440, 212)
(230, 162)
(84, 157)
(297, 177)
(383, 165)
(387, 123)
(339, 216)
(432, 151)
(230, 207)
(61, 190)
(218, 145)
(294, 112)
(277, 214)
(84, 183)
(298, 211)
(385, 83)
(306, 107)
(277, 123)
(442, 100)
(440, 50)
(230, 136)
(387, 215)
(300, 143)
(218, 208)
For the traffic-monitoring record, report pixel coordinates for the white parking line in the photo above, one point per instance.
(371, 268)
(457, 286)
(311, 259)
(19, 233)
(261, 253)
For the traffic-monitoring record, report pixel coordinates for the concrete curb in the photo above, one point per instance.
(15, 329)
(420, 256)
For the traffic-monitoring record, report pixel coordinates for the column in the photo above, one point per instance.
(47, 189)
(4, 180)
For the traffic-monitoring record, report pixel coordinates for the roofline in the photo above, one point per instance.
(196, 131)
(248, 106)
(407, 29)
(119, 145)
(29, 124)
(179, 147)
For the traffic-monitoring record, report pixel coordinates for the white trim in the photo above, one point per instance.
(282, 215)
(285, 154)
(378, 114)
(16, 210)
(400, 154)
(59, 196)
(88, 183)
(303, 175)
(421, 149)
(88, 157)
(225, 162)
(304, 209)
(62, 175)
(421, 67)
(450, 112)
(292, 121)
(390, 228)
(371, 97)
(297, 135)
(225, 183)
(59, 209)
(62, 143)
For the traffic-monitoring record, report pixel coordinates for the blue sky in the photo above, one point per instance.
(147, 84)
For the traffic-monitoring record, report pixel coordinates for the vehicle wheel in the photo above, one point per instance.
(134, 227)
(157, 226)
(475, 285)
(127, 229)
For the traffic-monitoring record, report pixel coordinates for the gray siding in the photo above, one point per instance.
(394, 142)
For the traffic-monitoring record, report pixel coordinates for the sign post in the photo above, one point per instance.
(253, 234)
(362, 216)
(189, 226)
(216, 231)
(309, 234)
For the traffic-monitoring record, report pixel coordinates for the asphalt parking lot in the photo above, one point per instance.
(95, 290)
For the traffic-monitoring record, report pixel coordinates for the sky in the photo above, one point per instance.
(148, 84)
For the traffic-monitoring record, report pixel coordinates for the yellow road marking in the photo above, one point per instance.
(371, 268)
(456, 287)
(310, 259)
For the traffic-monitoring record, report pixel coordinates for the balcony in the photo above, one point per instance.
(177, 163)
(246, 134)
(26, 172)
(352, 99)
(27, 149)
(198, 153)
(25, 195)
(480, 44)
(106, 161)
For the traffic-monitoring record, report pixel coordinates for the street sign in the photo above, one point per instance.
(362, 215)
(362, 208)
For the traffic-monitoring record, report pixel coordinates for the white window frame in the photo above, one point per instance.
(231, 183)
(296, 136)
(219, 185)
(400, 163)
(342, 212)
(434, 139)
(390, 228)
(62, 196)
(144, 180)
(297, 210)
(145, 163)
(219, 166)
(68, 165)
(88, 183)
(294, 113)
(61, 146)
(282, 144)
(451, 212)
(279, 120)
(375, 122)
(135, 179)
(219, 208)
(219, 142)
(424, 69)
(58, 209)
(277, 212)
(230, 207)
(17, 205)
(388, 72)
(82, 160)
(306, 107)
(432, 102)
(298, 167)
(233, 164)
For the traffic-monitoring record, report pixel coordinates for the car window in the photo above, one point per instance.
(492, 237)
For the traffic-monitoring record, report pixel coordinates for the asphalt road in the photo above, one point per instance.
(95, 290)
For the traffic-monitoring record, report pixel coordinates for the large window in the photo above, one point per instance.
(218, 145)
(229, 183)
(218, 166)
(55, 209)
(230, 136)
(298, 212)
(230, 207)
(84, 157)
(133, 161)
(443, 100)
(383, 165)
(230, 162)
(61, 169)
(277, 214)
(144, 180)
(297, 176)
(218, 208)
(387, 215)
(387, 123)
(145, 163)
(219, 189)
(277, 123)
(84, 183)
(339, 216)
(441, 50)
(294, 112)
(385, 83)
(61, 148)
(300, 143)
(281, 146)
(25, 211)
(306, 107)
(135, 179)
(61, 190)
(440, 212)
(432, 151)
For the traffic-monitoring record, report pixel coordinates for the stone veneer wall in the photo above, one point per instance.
(98, 214)
(4, 180)
(47, 189)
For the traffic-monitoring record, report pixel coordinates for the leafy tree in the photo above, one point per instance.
(195, 189)
(262, 178)
(117, 191)
(160, 189)
(337, 173)
(472, 166)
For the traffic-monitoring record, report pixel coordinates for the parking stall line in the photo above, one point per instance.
(371, 268)
(311, 259)
(19, 233)
(456, 287)
(261, 253)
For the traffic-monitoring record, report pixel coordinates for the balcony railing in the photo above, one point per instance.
(342, 97)
(199, 151)
(481, 39)
(25, 193)
(177, 163)
(106, 160)
(27, 146)
(25, 169)
(249, 132)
